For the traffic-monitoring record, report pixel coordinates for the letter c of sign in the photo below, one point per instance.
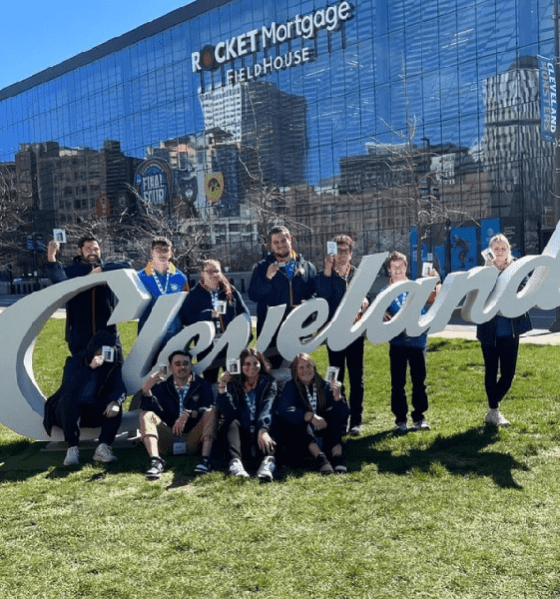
(21, 401)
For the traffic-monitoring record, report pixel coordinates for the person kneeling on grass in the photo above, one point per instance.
(405, 350)
(177, 415)
(245, 401)
(314, 413)
(91, 395)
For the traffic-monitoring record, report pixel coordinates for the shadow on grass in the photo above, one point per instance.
(459, 454)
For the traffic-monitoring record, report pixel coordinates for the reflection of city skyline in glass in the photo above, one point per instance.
(453, 69)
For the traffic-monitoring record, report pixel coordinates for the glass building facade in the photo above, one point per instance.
(383, 119)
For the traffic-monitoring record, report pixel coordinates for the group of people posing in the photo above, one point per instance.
(242, 412)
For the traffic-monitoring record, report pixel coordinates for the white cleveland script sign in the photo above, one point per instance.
(21, 401)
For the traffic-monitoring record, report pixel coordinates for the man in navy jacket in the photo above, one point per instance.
(283, 277)
(88, 312)
(177, 413)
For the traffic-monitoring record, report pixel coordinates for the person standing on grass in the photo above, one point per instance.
(88, 312)
(313, 414)
(161, 277)
(246, 401)
(405, 350)
(177, 415)
(213, 299)
(283, 277)
(331, 284)
(499, 341)
(91, 395)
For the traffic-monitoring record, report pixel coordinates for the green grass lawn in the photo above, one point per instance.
(461, 511)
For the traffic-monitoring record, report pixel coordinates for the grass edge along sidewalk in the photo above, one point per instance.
(462, 510)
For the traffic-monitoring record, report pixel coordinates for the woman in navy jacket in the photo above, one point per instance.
(313, 412)
(499, 340)
(246, 401)
(215, 300)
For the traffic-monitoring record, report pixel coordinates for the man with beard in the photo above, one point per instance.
(283, 277)
(88, 312)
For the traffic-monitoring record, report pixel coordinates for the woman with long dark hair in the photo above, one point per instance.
(213, 299)
(246, 402)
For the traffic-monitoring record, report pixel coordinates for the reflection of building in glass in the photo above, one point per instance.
(268, 125)
(65, 184)
(309, 129)
(517, 160)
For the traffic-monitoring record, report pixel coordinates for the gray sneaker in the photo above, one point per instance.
(236, 468)
(402, 427)
(72, 456)
(103, 453)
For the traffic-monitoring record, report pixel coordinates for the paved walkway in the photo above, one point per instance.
(536, 336)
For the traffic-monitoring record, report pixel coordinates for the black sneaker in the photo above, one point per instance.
(323, 465)
(339, 464)
(156, 468)
(204, 466)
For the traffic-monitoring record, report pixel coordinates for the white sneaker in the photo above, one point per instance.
(266, 469)
(103, 453)
(72, 456)
(495, 417)
(236, 468)
(420, 425)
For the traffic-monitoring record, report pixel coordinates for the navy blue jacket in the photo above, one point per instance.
(292, 407)
(164, 400)
(280, 290)
(107, 378)
(232, 403)
(334, 288)
(88, 312)
(198, 306)
(486, 332)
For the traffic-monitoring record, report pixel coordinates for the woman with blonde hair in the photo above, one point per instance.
(499, 340)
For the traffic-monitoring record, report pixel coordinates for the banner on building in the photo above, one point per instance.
(214, 186)
(547, 85)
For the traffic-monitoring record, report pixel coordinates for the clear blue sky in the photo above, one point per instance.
(37, 34)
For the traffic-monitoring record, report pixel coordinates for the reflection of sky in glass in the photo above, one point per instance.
(436, 53)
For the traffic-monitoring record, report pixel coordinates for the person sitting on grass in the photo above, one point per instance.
(246, 400)
(177, 415)
(313, 415)
(405, 350)
(91, 395)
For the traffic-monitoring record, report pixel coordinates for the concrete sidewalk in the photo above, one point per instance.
(536, 336)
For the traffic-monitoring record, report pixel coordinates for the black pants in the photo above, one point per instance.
(353, 358)
(296, 439)
(240, 441)
(502, 357)
(415, 357)
(71, 415)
